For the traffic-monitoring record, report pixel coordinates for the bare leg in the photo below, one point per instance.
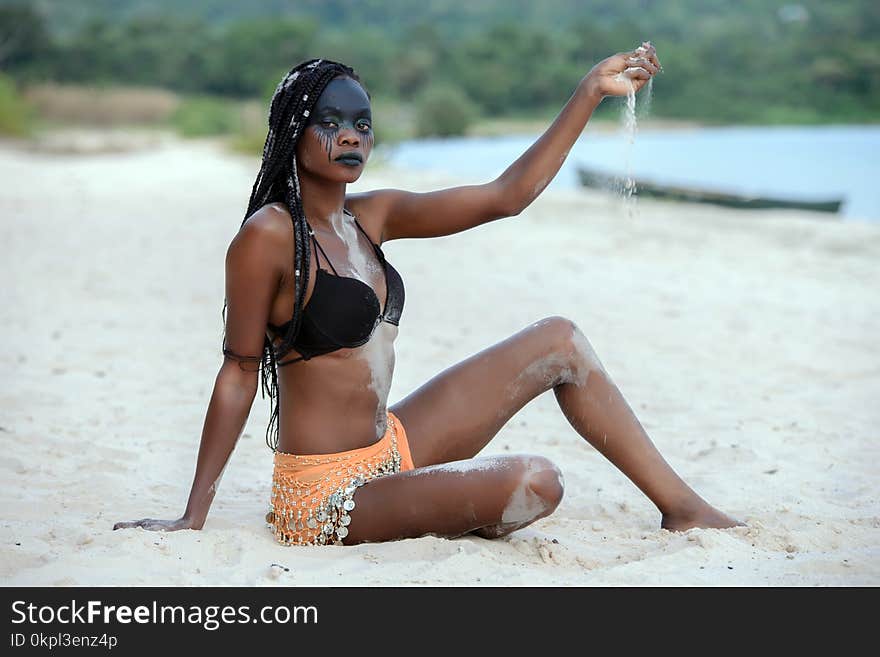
(596, 409)
(489, 496)
(457, 413)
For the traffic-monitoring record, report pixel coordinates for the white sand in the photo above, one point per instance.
(746, 342)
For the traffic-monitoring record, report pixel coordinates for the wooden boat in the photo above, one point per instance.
(592, 178)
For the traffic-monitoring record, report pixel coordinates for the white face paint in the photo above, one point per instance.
(363, 265)
(379, 355)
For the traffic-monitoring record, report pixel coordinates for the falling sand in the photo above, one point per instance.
(630, 127)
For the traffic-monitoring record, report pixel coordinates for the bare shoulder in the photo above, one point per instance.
(271, 221)
(372, 209)
(267, 234)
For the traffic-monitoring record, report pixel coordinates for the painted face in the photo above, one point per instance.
(339, 134)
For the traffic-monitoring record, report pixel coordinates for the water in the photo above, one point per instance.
(798, 162)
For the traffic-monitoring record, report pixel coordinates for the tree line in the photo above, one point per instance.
(745, 62)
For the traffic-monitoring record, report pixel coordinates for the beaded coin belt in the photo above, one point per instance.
(313, 495)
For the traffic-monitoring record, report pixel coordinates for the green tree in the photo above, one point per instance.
(443, 111)
(26, 46)
(254, 50)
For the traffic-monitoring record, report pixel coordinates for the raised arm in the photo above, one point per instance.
(253, 273)
(433, 214)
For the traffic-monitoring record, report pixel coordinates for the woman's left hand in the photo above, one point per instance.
(613, 75)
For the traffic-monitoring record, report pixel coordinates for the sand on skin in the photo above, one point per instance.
(746, 343)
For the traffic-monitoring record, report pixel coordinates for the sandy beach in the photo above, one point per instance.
(745, 342)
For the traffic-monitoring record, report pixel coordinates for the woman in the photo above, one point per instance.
(324, 343)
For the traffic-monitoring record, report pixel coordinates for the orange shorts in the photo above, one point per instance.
(313, 494)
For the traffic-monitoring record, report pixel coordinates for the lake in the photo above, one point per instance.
(792, 162)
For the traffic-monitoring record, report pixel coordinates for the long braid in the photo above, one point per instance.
(278, 180)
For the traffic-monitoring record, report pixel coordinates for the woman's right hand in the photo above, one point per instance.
(624, 72)
(158, 525)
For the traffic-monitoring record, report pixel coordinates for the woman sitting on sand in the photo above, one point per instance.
(324, 343)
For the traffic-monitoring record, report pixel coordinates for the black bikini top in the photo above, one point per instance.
(343, 312)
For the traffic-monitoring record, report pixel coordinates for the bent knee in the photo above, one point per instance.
(537, 492)
(558, 330)
(545, 480)
(570, 346)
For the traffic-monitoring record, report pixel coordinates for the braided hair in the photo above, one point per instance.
(293, 101)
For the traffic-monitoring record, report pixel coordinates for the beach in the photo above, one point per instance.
(745, 342)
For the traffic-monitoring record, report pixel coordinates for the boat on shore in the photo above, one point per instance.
(599, 180)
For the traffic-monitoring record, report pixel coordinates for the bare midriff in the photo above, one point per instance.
(337, 401)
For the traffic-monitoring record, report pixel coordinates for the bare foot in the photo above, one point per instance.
(704, 517)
